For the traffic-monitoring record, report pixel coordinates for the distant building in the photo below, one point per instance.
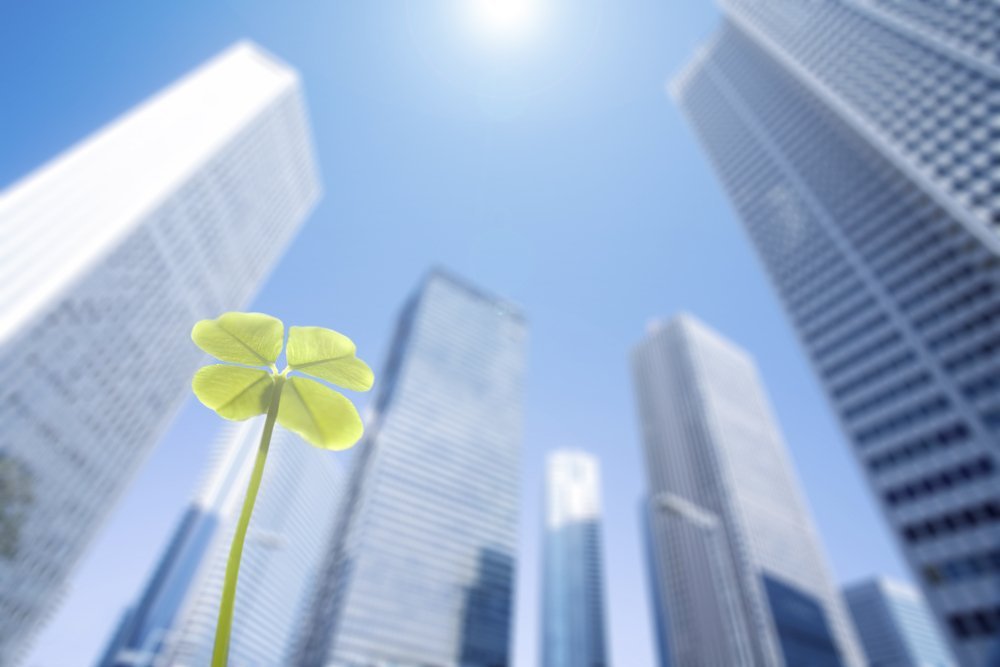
(895, 626)
(736, 567)
(173, 622)
(859, 144)
(422, 565)
(173, 213)
(573, 630)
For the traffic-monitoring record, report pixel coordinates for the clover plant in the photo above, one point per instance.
(250, 384)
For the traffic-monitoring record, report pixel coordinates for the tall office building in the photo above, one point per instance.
(110, 253)
(859, 144)
(895, 626)
(737, 573)
(421, 569)
(573, 632)
(172, 624)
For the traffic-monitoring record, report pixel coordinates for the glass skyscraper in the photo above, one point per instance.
(173, 213)
(573, 631)
(172, 623)
(859, 142)
(736, 569)
(421, 568)
(895, 626)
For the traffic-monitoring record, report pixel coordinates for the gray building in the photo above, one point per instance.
(895, 626)
(422, 564)
(858, 142)
(172, 622)
(573, 623)
(175, 212)
(736, 569)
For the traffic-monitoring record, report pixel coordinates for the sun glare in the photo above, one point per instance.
(504, 21)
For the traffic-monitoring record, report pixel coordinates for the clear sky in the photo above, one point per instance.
(548, 165)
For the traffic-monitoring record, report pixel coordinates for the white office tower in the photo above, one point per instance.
(573, 626)
(173, 622)
(173, 213)
(736, 567)
(859, 142)
(421, 568)
(895, 626)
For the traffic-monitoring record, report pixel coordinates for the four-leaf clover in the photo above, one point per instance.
(250, 384)
(320, 415)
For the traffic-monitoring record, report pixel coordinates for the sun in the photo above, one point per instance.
(503, 21)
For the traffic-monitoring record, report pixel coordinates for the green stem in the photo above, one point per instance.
(220, 655)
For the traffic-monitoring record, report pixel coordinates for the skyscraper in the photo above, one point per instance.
(895, 626)
(172, 624)
(421, 568)
(573, 633)
(173, 213)
(858, 142)
(737, 572)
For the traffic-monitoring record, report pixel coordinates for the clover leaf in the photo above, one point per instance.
(250, 384)
(328, 355)
(317, 413)
(253, 339)
(234, 392)
(323, 417)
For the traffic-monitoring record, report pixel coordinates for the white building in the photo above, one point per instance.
(859, 142)
(173, 622)
(174, 213)
(736, 567)
(421, 567)
(573, 617)
(895, 626)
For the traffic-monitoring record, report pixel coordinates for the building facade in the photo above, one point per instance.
(173, 622)
(422, 564)
(895, 626)
(858, 143)
(737, 573)
(173, 213)
(573, 624)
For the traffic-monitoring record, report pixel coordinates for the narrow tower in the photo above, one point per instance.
(895, 626)
(421, 566)
(173, 622)
(859, 144)
(573, 631)
(736, 567)
(173, 213)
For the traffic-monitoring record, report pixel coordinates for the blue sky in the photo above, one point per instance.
(553, 170)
